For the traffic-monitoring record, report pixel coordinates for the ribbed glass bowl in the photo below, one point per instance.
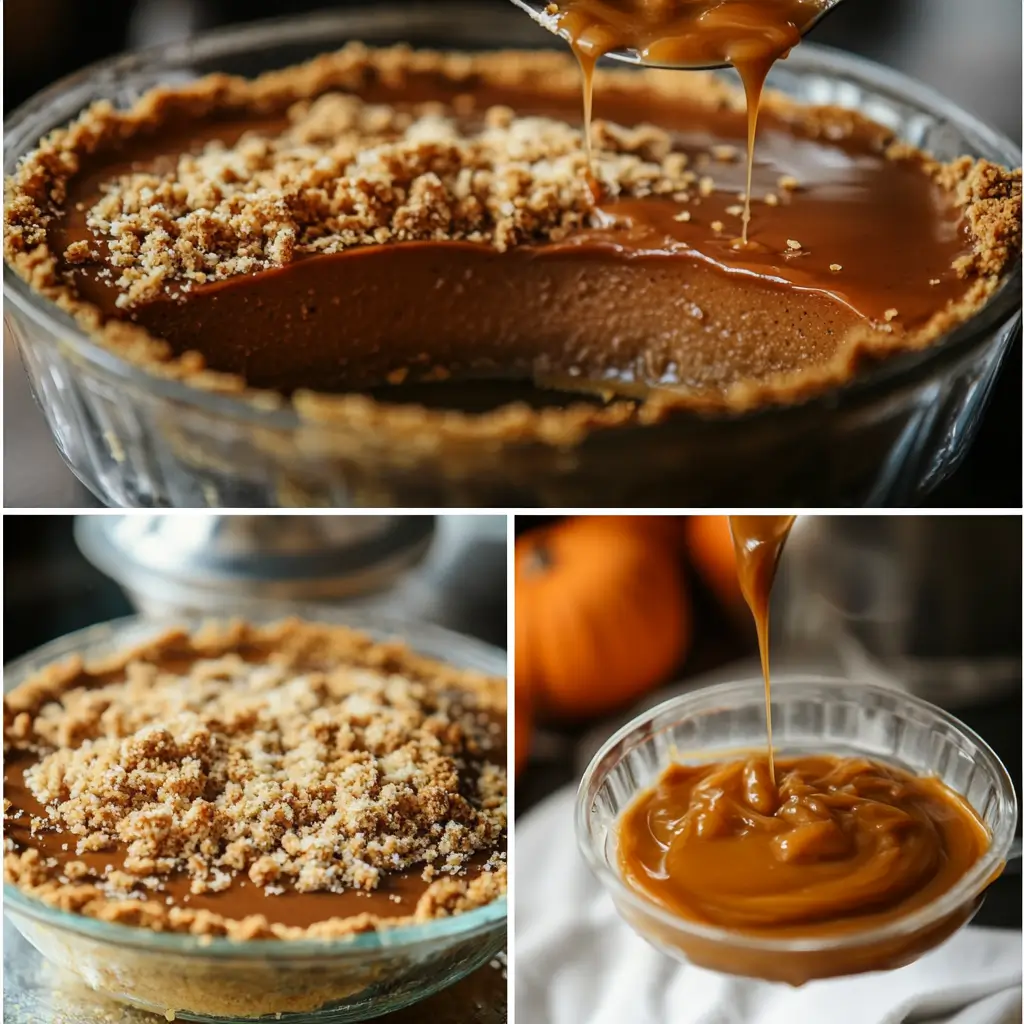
(330, 981)
(809, 716)
(134, 440)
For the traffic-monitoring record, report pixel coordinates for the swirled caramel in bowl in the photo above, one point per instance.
(837, 845)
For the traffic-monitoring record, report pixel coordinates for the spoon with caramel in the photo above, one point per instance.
(680, 33)
(749, 35)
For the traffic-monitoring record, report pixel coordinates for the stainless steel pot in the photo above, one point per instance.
(201, 563)
(448, 569)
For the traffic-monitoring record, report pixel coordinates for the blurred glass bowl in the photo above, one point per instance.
(311, 981)
(887, 437)
(808, 716)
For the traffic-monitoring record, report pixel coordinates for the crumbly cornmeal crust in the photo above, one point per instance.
(300, 755)
(347, 173)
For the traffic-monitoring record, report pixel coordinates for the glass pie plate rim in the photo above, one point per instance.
(968, 888)
(28, 123)
(104, 637)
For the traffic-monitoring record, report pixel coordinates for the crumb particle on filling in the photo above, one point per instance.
(724, 153)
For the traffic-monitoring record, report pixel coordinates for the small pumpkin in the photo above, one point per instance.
(602, 615)
(710, 548)
(669, 529)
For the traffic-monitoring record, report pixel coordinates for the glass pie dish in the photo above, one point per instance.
(809, 716)
(886, 437)
(326, 981)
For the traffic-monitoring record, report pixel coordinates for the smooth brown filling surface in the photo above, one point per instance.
(839, 845)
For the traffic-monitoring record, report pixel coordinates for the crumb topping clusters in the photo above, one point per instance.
(347, 173)
(308, 773)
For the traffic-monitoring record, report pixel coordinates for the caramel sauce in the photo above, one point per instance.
(839, 845)
(748, 34)
(758, 541)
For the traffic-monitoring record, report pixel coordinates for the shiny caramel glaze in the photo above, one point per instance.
(839, 845)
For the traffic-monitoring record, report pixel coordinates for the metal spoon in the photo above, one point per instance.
(537, 9)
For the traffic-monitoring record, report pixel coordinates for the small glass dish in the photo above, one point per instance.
(311, 981)
(135, 440)
(808, 716)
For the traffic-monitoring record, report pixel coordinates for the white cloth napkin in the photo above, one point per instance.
(577, 962)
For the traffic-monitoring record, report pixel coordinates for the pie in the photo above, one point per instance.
(393, 226)
(293, 781)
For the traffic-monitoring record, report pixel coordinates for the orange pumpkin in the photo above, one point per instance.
(669, 529)
(709, 545)
(602, 615)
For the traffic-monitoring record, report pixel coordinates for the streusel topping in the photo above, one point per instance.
(291, 770)
(347, 173)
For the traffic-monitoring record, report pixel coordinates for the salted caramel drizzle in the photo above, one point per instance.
(748, 34)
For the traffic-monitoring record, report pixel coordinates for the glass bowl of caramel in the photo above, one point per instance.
(891, 819)
(144, 435)
(224, 977)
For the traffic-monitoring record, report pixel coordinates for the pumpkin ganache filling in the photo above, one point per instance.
(388, 220)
